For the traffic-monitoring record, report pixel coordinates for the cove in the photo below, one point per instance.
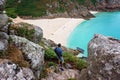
(106, 23)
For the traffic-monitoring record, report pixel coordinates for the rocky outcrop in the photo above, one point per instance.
(103, 59)
(2, 5)
(3, 21)
(70, 9)
(65, 75)
(11, 71)
(30, 32)
(27, 56)
(3, 41)
(108, 5)
(33, 53)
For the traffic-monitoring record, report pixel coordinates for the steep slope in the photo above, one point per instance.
(103, 5)
(51, 8)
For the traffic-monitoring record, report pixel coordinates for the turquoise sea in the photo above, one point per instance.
(106, 23)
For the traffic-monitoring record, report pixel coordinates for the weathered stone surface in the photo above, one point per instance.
(3, 20)
(103, 59)
(64, 75)
(2, 5)
(11, 71)
(108, 5)
(35, 32)
(38, 34)
(34, 53)
(3, 35)
(3, 41)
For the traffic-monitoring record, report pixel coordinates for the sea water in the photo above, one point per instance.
(106, 23)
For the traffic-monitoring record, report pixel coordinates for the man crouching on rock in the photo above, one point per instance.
(58, 50)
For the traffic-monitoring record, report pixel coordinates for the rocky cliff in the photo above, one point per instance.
(108, 5)
(47, 8)
(3, 28)
(104, 5)
(103, 59)
(2, 2)
(24, 61)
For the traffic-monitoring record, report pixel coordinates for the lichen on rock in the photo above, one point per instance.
(11, 71)
(34, 53)
(103, 59)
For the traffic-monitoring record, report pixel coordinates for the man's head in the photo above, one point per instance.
(59, 45)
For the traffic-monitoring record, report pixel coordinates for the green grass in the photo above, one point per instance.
(11, 12)
(25, 8)
(25, 32)
(50, 54)
(51, 64)
(68, 57)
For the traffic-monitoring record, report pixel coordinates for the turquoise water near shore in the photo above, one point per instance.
(106, 23)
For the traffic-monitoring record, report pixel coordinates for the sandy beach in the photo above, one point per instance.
(58, 29)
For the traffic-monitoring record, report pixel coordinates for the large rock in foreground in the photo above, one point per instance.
(11, 71)
(104, 59)
(67, 74)
(33, 53)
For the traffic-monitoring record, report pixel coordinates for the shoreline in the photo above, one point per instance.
(57, 29)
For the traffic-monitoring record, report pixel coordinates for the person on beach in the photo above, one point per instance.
(58, 50)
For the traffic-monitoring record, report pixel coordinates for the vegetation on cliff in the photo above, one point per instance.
(37, 8)
(68, 57)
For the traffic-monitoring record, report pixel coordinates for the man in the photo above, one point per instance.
(58, 50)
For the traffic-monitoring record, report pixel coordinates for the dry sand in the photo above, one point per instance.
(58, 29)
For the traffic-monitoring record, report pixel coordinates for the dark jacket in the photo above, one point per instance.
(58, 51)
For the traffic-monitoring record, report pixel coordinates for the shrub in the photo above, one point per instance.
(51, 64)
(72, 79)
(61, 9)
(93, 1)
(80, 63)
(25, 32)
(70, 58)
(81, 1)
(50, 54)
(11, 12)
